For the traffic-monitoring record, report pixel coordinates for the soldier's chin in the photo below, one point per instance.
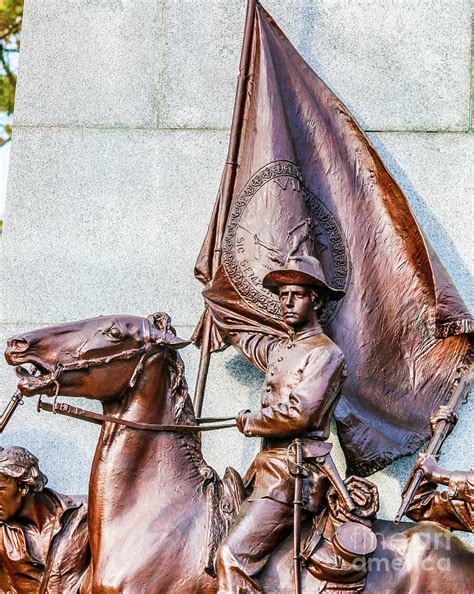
(4, 516)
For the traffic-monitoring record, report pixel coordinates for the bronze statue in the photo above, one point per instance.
(453, 507)
(304, 375)
(302, 192)
(157, 511)
(44, 545)
(301, 177)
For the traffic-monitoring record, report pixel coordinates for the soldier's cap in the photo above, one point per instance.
(305, 271)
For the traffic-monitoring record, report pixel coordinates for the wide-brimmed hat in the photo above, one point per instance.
(300, 270)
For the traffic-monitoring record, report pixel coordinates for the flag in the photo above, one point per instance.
(309, 182)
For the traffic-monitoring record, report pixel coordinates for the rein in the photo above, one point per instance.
(97, 418)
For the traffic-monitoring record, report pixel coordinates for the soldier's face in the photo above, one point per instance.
(12, 494)
(296, 305)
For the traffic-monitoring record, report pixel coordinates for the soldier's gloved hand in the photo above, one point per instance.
(240, 420)
(429, 466)
(443, 413)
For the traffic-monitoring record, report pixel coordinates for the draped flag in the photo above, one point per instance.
(309, 182)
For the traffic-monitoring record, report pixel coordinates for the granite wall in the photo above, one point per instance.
(120, 135)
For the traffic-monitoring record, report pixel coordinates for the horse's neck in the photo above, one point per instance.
(129, 462)
(143, 486)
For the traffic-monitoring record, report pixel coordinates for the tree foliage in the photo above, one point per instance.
(11, 18)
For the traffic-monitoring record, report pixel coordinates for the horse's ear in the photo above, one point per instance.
(162, 321)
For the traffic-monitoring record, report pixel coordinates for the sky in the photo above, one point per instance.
(4, 159)
(5, 150)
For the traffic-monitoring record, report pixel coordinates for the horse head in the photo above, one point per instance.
(95, 358)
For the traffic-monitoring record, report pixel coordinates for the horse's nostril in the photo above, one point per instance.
(18, 345)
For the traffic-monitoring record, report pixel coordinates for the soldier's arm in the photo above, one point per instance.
(449, 507)
(433, 505)
(461, 486)
(307, 404)
(425, 504)
(254, 346)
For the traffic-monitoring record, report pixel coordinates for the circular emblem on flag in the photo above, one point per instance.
(276, 216)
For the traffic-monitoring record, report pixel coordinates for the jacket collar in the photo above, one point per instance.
(308, 333)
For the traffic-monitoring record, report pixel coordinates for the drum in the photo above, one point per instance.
(353, 540)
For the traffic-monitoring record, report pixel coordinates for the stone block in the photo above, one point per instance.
(435, 172)
(101, 222)
(89, 63)
(116, 219)
(398, 65)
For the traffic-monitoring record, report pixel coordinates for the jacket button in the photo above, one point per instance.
(268, 389)
(280, 359)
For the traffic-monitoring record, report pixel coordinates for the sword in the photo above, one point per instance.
(297, 503)
(11, 407)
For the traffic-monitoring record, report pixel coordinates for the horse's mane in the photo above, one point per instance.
(183, 408)
(218, 522)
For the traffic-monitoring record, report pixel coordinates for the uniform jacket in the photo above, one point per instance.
(304, 374)
(24, 551)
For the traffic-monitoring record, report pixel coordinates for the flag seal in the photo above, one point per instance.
(276, 216)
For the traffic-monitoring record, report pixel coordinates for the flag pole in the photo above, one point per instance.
(226, 193)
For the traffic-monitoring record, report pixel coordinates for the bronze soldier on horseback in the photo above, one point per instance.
(304, 373)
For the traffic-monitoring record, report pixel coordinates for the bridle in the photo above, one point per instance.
(149, 347)
(145, 351)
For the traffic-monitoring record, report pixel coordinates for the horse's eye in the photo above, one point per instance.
(114, 333)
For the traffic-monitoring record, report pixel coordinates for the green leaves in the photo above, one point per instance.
(11, 18)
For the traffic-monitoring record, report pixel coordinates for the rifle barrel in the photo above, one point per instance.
(11, 407)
